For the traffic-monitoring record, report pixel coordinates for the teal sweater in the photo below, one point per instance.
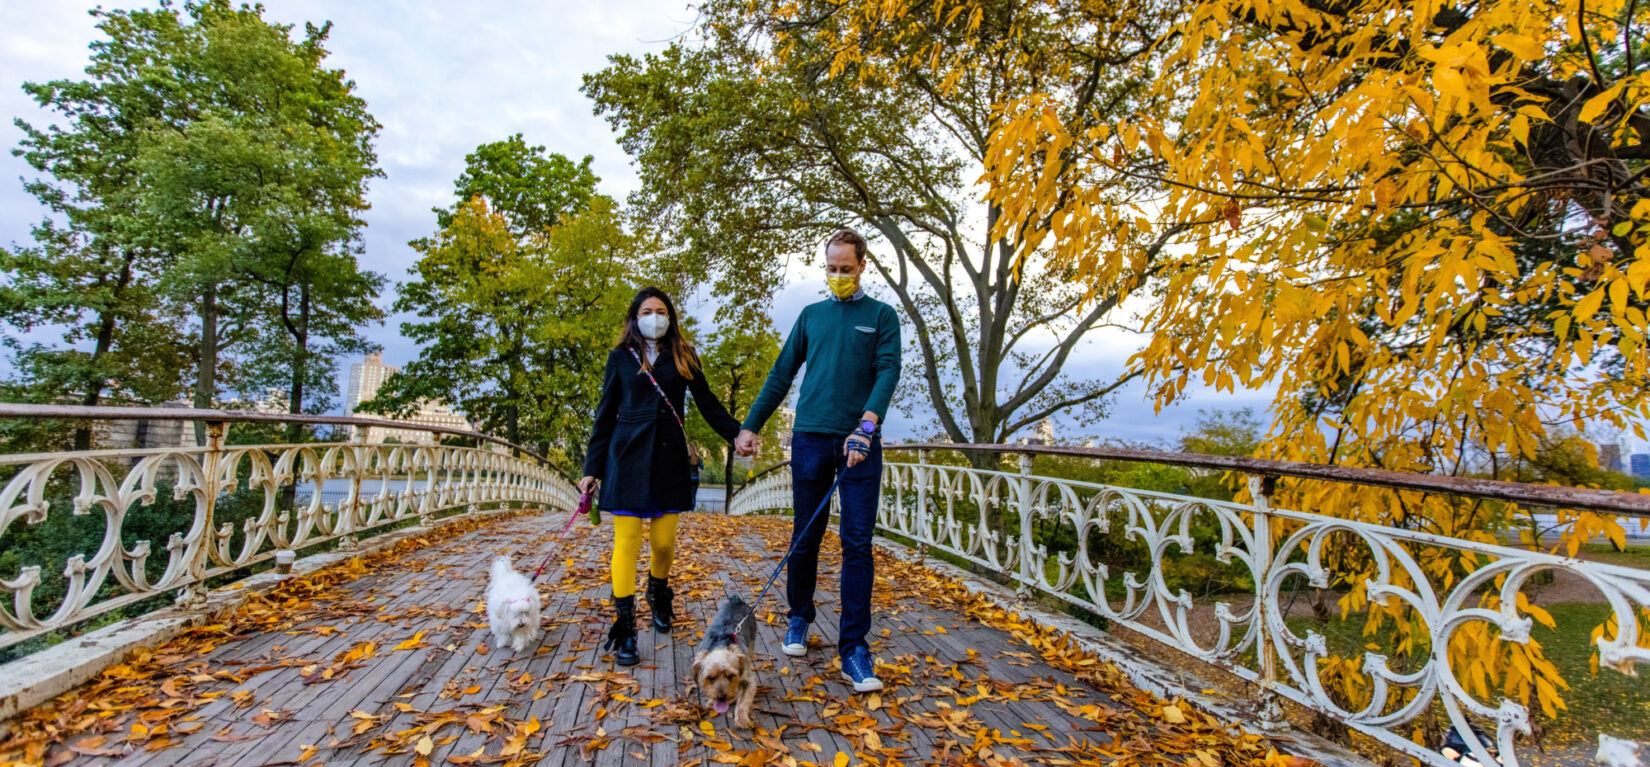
(852, 349)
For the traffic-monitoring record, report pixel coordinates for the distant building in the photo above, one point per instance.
(274, 402)
(1640, 464)
(364, 379)
(786, 416)
(1609, 457)
(1044, 434)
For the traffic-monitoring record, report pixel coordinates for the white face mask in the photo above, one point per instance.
(653, 326)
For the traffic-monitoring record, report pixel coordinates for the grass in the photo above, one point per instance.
(1610, 702)
(1637, 555)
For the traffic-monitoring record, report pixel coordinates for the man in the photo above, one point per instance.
(851, 345)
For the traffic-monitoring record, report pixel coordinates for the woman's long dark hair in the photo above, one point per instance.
(673, 343)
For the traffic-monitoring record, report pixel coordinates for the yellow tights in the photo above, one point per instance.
(627, 547)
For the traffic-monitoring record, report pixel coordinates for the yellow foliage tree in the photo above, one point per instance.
(1427, 226)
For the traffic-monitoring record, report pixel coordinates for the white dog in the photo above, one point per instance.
(512, 607)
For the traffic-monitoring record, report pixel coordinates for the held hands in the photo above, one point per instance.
(745, 443)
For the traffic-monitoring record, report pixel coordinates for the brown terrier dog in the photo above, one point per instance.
(725, 665)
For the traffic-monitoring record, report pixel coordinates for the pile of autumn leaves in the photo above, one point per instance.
(147, 702)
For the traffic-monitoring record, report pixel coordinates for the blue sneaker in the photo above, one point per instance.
(859, 670)
(796, 639)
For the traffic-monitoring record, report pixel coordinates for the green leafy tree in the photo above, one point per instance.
(532, 189)
(520, 292)
(260, 193)
(736, 360)
(209, 164)
(94, 267)
(586, 274)
(747, 153)
(514, 331)
(1224, 432)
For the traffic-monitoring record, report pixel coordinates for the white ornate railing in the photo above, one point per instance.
(766, 492)
(990, 518)
(383, 485)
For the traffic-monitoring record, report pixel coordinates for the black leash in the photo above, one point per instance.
(797, 540)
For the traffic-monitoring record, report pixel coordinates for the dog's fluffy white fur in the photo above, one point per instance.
(512, 607)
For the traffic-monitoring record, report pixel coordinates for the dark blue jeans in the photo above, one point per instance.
(815, 459)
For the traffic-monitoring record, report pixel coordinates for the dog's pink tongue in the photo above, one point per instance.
(721, 706)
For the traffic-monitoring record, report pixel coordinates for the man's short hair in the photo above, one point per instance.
(848, 237)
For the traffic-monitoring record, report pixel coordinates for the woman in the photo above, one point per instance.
(639, 455)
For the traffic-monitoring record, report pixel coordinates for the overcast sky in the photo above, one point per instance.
(442, 78)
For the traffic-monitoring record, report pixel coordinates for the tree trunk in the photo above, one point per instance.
(512, 425)
(300, 371)
(300, 364)
(105, 340)
(206, 371)
(727, 465)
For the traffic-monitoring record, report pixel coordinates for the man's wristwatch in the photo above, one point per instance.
(868, 426)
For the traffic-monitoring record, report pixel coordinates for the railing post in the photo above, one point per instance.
(1270, 712)
(1023, 591)
(349, 513)
(924, 527)
(193, 596)
(425, 518)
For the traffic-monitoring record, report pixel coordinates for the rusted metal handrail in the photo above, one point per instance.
(100, 413)
(1553, 496)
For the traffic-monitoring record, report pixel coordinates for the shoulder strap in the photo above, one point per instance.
(659, 389)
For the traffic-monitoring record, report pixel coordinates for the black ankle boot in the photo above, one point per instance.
(659, 598)
(621, 639)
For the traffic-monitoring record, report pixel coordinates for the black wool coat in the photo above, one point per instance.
(636, 448)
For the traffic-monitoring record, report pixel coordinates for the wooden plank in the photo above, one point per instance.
(470, 668)
(282, 681)
(451, 575)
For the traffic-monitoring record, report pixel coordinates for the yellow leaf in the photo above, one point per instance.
(1449, 83)
(1589, 305)
(1596, 105)
(1521, 46)
(415, 642)
(424, 746)
(1172, 715)
(841, 759)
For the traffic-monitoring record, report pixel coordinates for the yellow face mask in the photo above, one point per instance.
(841, 286)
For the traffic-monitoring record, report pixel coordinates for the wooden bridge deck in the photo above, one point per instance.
(389, 664)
